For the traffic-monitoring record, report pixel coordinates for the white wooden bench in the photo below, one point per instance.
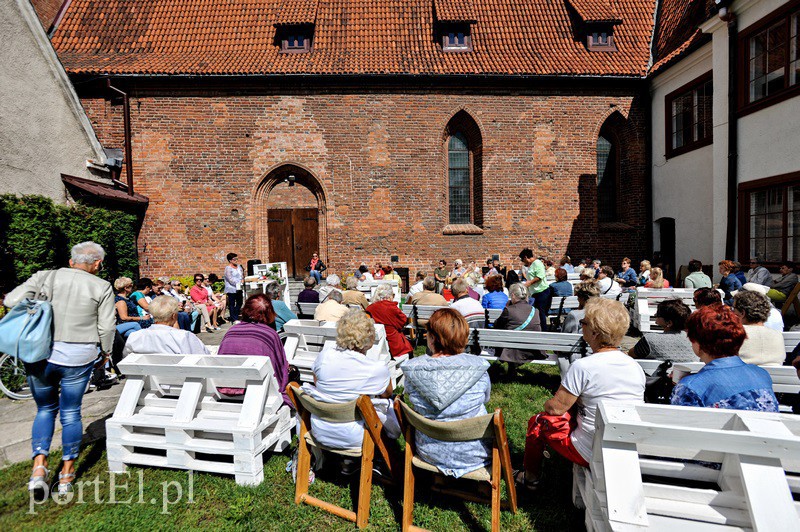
(170, 415)
(368, 288)
(306, 309)
(644, 471)
(790, 340)
(563, 304)
(557, 346)
(647, 300)
(305, 339)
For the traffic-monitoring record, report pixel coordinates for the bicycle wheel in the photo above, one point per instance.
(13, 379)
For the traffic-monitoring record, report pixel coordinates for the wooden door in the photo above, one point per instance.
(293, 237)
(305, 230)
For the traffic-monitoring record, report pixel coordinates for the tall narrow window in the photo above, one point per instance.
(459, 178)
(771, 226)
(689, 120)
(607, 172)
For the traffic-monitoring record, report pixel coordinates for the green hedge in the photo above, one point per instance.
(37, 234)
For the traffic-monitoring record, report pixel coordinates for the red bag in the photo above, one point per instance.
(552, 427)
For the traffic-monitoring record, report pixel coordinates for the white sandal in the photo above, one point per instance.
(37, 482)
(65, 488)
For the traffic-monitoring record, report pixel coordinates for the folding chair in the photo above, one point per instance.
(357, 409)
(490, 426)
(792, 301)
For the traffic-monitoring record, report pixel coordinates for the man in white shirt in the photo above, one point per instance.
(163, 336)
(605, 280)
(416, 288)
(466, 305)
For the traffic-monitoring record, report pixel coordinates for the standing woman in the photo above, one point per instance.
(83, 318)
(233, 277)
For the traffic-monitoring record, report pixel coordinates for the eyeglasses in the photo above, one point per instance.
(582, 322)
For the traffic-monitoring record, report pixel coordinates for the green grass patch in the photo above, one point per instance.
(219, 503)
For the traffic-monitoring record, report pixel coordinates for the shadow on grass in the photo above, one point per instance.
(527, 374)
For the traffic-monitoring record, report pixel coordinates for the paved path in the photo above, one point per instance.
(16, 417)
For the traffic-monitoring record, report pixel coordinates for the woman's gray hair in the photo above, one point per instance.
(351, 282)
(355, 331)
(753, 306)
(333, 280)
(518, 292)
(163, 308)
(472, 279)
(383, 292)
(87, 252)
(273, 291)
(336, 295)
(459, 262)
(429, 283)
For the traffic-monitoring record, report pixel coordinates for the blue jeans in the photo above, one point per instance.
(45, 379)
(316, 275)
(184, 321)
(126, 328)
(542, 302)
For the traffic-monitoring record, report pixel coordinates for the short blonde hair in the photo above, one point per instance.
(355, 331)
(163, 308)
(351, 283)
(383, 292)
(122, 283)
(645, 263)
(608, 319)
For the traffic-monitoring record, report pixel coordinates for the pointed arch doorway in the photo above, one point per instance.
(292, 210)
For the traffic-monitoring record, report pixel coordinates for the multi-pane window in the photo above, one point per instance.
(600, 37)
(458, 158)
(773, 223)
(607, 172)
(456, 37)
(689, 120)
(771, 57)
(295, 39)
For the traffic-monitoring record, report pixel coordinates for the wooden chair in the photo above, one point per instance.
(792, 301)
(358, 409)
(490, 426)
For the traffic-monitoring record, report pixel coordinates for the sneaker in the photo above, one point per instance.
(349, 466)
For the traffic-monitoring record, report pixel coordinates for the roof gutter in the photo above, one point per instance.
(726, 14)
(126, 117)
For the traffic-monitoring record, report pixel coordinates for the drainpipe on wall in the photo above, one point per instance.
(728, 16)
(126, 118)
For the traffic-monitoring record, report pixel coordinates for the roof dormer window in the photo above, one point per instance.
(600, 38)
(456, 37)
(454, 20)
(294, 26)
(594, 21)
(295, 39)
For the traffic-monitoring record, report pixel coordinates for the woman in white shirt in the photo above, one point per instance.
(567, 423)
(763, 346)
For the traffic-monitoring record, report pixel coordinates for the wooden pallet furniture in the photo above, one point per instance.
(482, 342)
(368, 288)
(790, 340)
(792, 300)
(685, 468)
(647, 300)
(170, 414)
(359, 409)
(305, 339)
(489, 427)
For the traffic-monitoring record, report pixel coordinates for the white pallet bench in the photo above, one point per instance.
(305, 339)
(307, 309)
(368, 288)
(790, 340)
(751, 489)
(170, 415)
(483, 342)
(424, 312)
(647, 300)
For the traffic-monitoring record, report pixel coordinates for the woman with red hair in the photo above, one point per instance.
(255, 336)
(717, 334)
(729, 282)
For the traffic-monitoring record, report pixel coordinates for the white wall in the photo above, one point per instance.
(44, 131)
(682, 185)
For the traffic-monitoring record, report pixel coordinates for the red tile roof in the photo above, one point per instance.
(454, 10)
(47, 11)
(595, 10)
(297, 12)
(678, 31)
(520, 37)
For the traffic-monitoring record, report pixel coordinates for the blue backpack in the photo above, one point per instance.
(27, 330)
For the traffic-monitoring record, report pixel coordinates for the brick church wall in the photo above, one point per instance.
(380, 161)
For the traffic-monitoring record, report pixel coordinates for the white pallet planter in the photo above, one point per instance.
(757, 470)
(170, 415)
(305, 339)
(281, 276)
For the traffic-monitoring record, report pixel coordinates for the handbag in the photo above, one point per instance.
(27, 330)
(658, 387)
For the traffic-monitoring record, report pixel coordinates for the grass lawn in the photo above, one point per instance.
(220, 503)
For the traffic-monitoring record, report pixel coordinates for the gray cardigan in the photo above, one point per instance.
(83, 306)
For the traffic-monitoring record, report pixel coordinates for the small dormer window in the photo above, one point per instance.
(456, 38)
(295, 39)
(600, 38)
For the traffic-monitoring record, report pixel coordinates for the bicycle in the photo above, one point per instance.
(14, 379)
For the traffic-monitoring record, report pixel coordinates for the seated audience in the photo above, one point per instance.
(343, 373)
(449, 385)
(706, 297)
(377, 273)
(737, 271)
(417, 286)
(315, 268)
(463, 303)
(390, 275)
(332, 284)
(759, 274)
(384, 310)
(187, 315)
(308, 294)
(587, 274)
(472, 279)
(581, 266)
(428, 297)
(644, 272)
(656, 279)
(608, 375)
(128, 319)
(144, 287)
(163, 336)
(208, 313)
(775, 319)
(281, 309)
(562, 287)
(519, 315)
(331, 309)
(584, 291)
(565, 264)
(354, 296)
(729, 282)
(696, 278)
(783, 285)
(672, 344)
(363, 274)
(763, 346)
(458, 269)
(440, 274)
(605, 281)
(725, 381)
(254, 336)
(627, 275)
(493, 296)
(217, 298)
